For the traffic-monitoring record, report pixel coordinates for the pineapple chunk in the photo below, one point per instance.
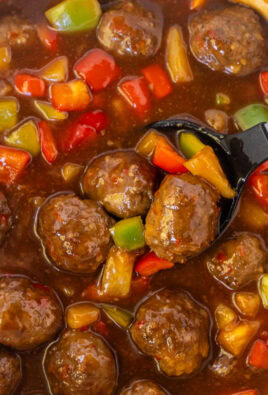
(224, 315)
(247, 303)
(260, 6)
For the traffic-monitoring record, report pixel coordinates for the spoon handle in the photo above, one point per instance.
(247, 150)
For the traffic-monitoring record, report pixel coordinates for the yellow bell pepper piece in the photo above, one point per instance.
(9, 109)
(71, 171)
(25, 137)
(56, 70)
(147, 144)
(49, 112)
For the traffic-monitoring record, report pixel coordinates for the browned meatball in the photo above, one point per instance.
(17, 32)
(132, 28)
(80, 363)
(123, 182)
(10, 372)
(183, 218)
(173, 329)
(228, 40)
(74, 233)
(143, 387)
(237, 261)
(30, 314)
(5, 217)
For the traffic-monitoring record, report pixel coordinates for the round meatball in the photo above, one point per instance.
(132, 28)
(143, 387)
(237, 261)
(80, 363)
(30, 313)
(5, 218)
(123, 182)
(17, 32)
(10, 372)
(173, 329)
(228, 40)
(74, 233)
(183, 219)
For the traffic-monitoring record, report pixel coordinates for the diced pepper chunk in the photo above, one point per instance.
(70, 96)
(258, 355)
(258, 182)
(121, 317)
(222, 99)
(74, 15)
(263, 290)
(176, 56)
(147, 144)
(81, 315)
(234, 338)
(196, 4)
(129, 233)
(25, 137)
(251, 115)
(56, 70)
(12, 163)
(150, 264)
(190, 144)
(157, 80)
(247, 303)
(117, 275)
(9, 108)
(48, 144)
(167, 158)
(136, 92)
(98, 69)
(30, 85)
(206, 164)
(5, 58)
(264, 82)
(71, 171)
(224, 316)
(49, 112)
(47, 36)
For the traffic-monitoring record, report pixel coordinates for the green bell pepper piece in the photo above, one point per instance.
(74, 15)
(190, 144)
(121, 317)
(263, 290)
(251, 115)
(49, 112)
(129, 233)
(25, 137)
(9, 109)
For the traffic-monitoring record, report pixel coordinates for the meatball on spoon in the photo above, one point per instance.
(239, 154)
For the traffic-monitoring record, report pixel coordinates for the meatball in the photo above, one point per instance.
(173, 329)
(30, 314)
(237, 261)
(17, 32)
(132, 28)
(123, 182)
(80, 363)
(10, 372)
(183, 218)
(74, 233)
(142, 387)
(228, 40)
(5, 218)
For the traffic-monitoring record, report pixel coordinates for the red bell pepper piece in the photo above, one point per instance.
(29, 85)
(136, 92)
(167, 158)
(258, 355)
(264, 82)
(48, 144)
(48, 37)
(70, 96)
(150, 264)
(12, 163)
(246, 392)
(259, 183)
(85, 128)
(157, 80)
(98, 69)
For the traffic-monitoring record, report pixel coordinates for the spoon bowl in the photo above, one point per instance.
(239, 155)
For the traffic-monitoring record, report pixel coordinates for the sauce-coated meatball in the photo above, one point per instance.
(5, 217)
(237, 261)
(30, 314)
(17, 32)
(10, 372)
(80, 363)
(228, 40)
(142, 387)
(173, 329)
(123, 182)
(74, 233)
(132, 28)
(183, 218)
